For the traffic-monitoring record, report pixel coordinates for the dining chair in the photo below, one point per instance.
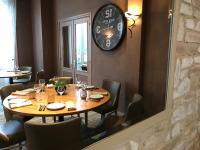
(51, 136)
(11, 133)
(6, 91)
(113, 123)
(24, 79)
(114, 88)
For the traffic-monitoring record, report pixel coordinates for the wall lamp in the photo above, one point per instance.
(131, 17)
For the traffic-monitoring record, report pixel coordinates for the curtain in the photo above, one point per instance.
(7, 34)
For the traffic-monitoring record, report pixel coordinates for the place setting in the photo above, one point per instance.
(16, 102)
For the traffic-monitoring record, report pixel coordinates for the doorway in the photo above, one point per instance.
(75, 47)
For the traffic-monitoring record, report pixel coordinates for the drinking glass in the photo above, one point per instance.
(37, 88)
(42, 84)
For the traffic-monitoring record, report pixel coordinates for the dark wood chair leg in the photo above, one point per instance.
(61, 118)
(86, 118)
(102, 116)
(54, 118)
(116, 112)
(20, 146)
(78, 114)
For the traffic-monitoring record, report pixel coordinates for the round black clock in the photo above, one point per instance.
(108, 27)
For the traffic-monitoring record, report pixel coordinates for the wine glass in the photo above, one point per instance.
(78, 82)
(37, 88)
(60, 90)
(42, 84)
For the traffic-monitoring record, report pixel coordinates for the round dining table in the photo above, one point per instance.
(13, 74)
(71, 99)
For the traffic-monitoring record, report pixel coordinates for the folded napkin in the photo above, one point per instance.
(100, 93)
(23, 92)
(50, 85)
(70, 105)
(16, 105)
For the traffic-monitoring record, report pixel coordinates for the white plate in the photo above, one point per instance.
(16, 100)
(96, 96)
(25, 72)
(55, 106)
(90, 87)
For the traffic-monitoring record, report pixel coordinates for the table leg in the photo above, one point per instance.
(86, 118)
(43, 120)
(11, 80)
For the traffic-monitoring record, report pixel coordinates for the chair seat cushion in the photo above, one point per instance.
(11, 133)
(104, 109)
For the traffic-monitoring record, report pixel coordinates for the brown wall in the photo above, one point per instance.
(121, 64)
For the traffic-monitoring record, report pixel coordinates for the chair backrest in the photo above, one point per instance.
(69, 80)
(55, 136)
(134, 108)
(25, 68)
(6, 91)
(114, 88)
(40, 75)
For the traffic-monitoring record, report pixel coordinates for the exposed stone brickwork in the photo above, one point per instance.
(182, 131)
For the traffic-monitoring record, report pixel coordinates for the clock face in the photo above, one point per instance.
(108, 28)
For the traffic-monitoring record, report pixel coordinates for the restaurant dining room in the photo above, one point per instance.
(97, 74)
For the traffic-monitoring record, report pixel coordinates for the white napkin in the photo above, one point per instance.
(70, 105)
(16, 105)
(23, 92)
(50, 85)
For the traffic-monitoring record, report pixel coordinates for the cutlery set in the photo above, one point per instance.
(42, 108)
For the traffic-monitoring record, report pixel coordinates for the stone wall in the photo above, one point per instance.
(181, 131)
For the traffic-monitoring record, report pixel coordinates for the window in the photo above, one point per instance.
(8, 33)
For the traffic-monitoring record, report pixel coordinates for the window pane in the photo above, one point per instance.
(66, 48)
(81, 46)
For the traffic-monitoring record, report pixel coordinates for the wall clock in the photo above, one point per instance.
(108, 27)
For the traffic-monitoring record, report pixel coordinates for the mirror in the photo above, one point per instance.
(140, 63)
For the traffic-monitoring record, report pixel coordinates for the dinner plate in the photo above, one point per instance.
(96, 96)
(25, 72)
(16, 100)
(90, 87)
(55, 106)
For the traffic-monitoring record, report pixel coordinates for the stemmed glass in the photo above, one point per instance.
(78, 82)
(42, 84)
(60, 90)
(37, 88)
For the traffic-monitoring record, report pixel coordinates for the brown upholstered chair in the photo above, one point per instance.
(24, 79)
(6, 91)
(114, 88)
(11, 133)
(112, 123)
(54, 136)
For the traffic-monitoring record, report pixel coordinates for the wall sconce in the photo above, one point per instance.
(132, 17)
